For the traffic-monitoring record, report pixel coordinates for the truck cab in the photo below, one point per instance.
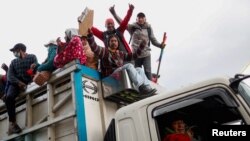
(215, 102)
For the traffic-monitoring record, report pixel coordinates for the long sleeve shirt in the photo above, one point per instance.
(18, 69)
(48, 65)
(111, 60)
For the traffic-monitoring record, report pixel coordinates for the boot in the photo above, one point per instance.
(146, 91)
(14, 128)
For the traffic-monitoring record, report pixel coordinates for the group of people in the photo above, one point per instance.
(116, 55)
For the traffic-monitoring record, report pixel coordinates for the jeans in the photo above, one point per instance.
(12, 93)
(146, 63)
(136, 75)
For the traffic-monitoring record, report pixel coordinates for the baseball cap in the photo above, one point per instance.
(19, 46)
(141, 15)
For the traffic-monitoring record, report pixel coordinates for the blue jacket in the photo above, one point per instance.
(48, 65)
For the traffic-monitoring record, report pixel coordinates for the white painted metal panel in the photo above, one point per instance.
(92, 110)
(40, 135)
(127, 126)
(65, 128)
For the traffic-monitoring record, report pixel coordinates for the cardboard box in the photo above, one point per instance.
(85, 21)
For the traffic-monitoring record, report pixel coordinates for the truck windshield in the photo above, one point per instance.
(244, 90)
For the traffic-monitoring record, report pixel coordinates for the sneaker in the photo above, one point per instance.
(146, 91)
(150, 92)
(14, 129)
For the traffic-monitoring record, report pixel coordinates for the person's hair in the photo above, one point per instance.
(111, 36)
(174, 117)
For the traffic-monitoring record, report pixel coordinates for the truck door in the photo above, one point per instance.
(199, 110)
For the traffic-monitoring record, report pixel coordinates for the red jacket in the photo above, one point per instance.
(177, 137)
(73, 50)
(122, 27)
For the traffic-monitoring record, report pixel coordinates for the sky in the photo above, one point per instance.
(206, 39)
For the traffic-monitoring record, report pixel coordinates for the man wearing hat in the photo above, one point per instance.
(138, 30)
(110, 25)
(18, 79)
(48, 65)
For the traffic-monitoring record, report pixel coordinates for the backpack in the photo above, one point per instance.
(133, 30)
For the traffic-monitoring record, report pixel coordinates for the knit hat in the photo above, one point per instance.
(108, 21)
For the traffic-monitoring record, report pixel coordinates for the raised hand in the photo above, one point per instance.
(112, 9)
(131, 6)
(4, 67)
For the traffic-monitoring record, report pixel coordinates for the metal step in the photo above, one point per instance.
(125, 97)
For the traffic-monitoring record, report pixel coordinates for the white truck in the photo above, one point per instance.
(76, 104)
